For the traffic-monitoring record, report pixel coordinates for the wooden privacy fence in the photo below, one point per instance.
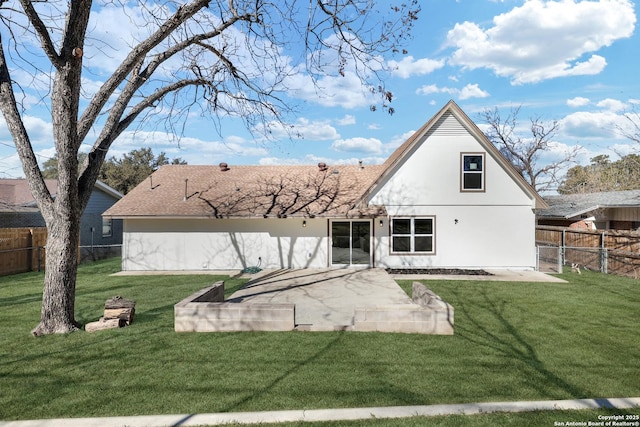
(609, 251)
(22, 250)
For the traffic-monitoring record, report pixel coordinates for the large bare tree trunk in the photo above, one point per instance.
(58, 296)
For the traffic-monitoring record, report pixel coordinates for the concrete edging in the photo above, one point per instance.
(332, 414)
(207, 311)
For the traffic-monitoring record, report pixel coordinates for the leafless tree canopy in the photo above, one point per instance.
(524, 151)
(632, 129)
(231, 58)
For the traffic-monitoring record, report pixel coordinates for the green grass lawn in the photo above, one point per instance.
(513, 341)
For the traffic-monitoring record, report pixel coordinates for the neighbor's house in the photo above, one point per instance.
(18, 209)
(445, 198)
(616, 210)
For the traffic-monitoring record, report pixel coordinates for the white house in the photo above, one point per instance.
(446, 198)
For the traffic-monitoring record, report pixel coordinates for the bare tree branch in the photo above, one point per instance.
(223, 57)
(524, 152)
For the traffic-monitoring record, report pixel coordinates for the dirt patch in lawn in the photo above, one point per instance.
(444, 271)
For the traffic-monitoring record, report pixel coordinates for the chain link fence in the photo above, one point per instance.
(98, 252)
(553, 259)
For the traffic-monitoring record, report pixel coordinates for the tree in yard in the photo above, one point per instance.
(630, 129)
(50, 166)
(231, 58)
(123, 174)
(603, 175)
(524, 151)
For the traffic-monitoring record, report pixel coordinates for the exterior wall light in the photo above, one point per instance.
(304, 223)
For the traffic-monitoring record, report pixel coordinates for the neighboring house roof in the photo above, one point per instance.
(572, 205)
(108, 190)
(265, 191)
(15, 194)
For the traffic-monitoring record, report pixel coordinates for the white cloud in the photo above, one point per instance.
(408, 67)
(472, 91)
(329, 91)
(302, 129)
(40, 132)
(398, 140)
(195, 151)
(358, 144)
(592, 125)
(578, 101)
(429, 89)
(612, 104)
(347, 120)
(469, 91)
(543, 39)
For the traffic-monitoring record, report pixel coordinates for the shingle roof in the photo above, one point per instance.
(248, 191)
(16, 192)
(571, 205)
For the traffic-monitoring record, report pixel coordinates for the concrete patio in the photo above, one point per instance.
(324, 299)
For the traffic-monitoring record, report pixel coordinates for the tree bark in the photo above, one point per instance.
(58, 296)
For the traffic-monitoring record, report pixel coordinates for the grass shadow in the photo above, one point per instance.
(509, 342)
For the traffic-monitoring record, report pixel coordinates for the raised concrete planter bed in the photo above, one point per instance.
(429, 315)
(206, 311)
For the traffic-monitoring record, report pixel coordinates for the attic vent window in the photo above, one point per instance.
(322, 166)
(224, 167)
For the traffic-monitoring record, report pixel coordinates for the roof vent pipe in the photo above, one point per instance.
(186, 188)
(223, 167)
(322, 166)
(360, 164)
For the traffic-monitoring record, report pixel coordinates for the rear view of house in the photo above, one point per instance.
(446, 198)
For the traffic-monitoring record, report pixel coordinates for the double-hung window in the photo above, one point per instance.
(472, 172)
(107, 224)
(413, 235)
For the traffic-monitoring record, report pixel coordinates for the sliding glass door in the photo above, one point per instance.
(351, 243)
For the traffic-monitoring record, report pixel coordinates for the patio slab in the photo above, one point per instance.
(325, 299)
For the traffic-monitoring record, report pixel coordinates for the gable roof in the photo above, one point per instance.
(280, 191)
(396, 159)
(567, 206)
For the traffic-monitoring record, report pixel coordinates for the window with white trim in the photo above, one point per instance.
(472, 172)
(413, 235)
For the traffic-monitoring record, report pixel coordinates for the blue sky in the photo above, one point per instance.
(571, 61)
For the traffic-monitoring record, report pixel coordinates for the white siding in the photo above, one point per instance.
(496, 228)
(500, 237)
(220, 244)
